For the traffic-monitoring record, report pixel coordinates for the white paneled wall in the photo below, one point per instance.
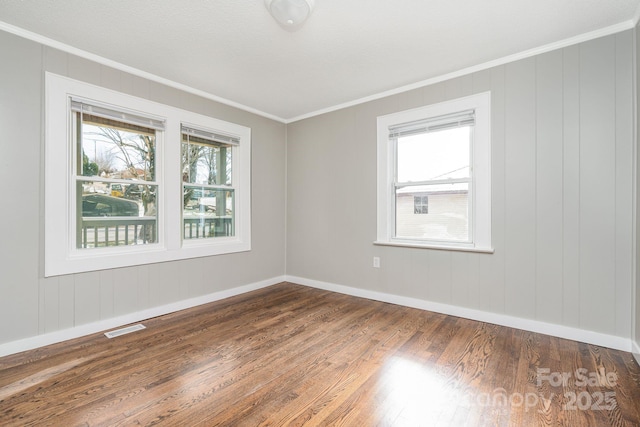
(562, 195)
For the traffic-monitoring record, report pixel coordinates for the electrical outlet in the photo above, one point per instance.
(376, 261)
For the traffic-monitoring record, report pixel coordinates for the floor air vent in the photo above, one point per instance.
(127, 330)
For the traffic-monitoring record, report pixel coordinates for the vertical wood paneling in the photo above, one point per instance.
(420, 273)
(464, 277)
(87, 298)
(83, 69)
(66, 302)
(125, 291)
(106, 294)
(440, 276)
(140, 87)
(597, 184)
(20, 127)
(624, 185)
(50, 310)
(474, 279)
(42, 282)
(143, 286)
(520, 188)
(459, 87)
(110, 78)
(192, 277)
(396, 268)
(168, 286)
(434, 94)
(492, 268)
(55, 61)
(155, 279)
(410, 99)
(481, 81)
(549, 107)
(571, 187)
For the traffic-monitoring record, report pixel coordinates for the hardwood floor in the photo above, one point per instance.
(292, 355)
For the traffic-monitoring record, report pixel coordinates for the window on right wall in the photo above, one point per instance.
(434, 176)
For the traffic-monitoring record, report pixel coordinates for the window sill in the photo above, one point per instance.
(484, 250)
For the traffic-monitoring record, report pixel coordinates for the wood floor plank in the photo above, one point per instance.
(293, 355)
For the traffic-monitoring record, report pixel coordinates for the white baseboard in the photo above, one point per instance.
(115, 322)
(636, 351)
(582, 335)
(575, 334)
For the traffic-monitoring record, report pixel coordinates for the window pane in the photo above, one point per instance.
(112, 149)
(110, 214)
(445, 219)
(434, 155)
(421, 204)
(205, 162)
(207, 212)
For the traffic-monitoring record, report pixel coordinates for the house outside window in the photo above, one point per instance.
(435, 160)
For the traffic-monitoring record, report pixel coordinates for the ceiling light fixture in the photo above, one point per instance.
(290, 14)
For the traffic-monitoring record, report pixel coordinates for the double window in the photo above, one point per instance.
(129, 181)
(434, 176)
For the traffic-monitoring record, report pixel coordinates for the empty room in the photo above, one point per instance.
(319, 212)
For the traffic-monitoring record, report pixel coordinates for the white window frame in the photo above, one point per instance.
(480, 201)
(61, 254)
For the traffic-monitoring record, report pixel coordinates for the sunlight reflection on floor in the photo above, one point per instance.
(413, 394)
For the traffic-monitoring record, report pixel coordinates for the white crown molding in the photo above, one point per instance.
(636, 17)
(576, 334)
(613, 29)
(623, 26)
(30, 343)
(131, 70)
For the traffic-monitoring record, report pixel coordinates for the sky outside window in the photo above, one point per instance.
(434, 155)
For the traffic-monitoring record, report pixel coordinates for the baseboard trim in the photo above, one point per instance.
(636, 351)
(115, 322)
(582, 335)
(575, 334)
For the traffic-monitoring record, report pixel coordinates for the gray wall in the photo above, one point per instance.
(562, 170)
(31, 305)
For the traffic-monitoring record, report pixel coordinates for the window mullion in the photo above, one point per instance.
(431, 182)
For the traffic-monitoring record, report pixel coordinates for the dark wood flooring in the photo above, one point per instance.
(292, 355)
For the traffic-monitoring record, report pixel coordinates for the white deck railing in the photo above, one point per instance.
(126, 230)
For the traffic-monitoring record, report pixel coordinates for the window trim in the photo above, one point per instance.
(61, 256)
(480, 203)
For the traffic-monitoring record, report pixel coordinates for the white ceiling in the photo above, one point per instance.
(348, 50)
